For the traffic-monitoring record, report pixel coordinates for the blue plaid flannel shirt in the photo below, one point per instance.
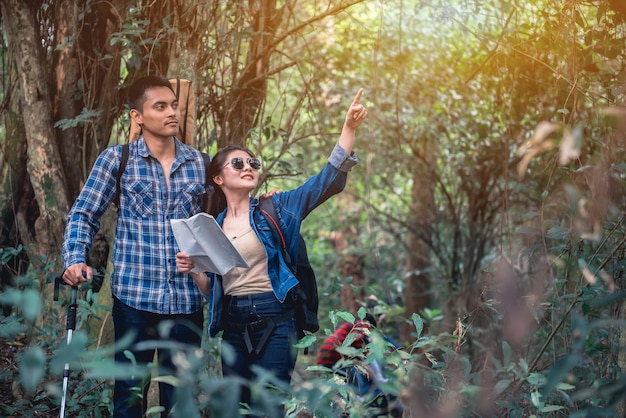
(144, 255)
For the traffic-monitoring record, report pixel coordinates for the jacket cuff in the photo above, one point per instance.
(340, 159)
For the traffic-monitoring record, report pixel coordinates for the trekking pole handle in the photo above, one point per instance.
(72, 308)
(58, 281)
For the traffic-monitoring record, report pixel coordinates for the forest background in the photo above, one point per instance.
(486, 216)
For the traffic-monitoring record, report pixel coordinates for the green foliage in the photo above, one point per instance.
(435, 366)
(86, 116)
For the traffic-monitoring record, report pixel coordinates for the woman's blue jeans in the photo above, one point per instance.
(187, 329)
(278, 355)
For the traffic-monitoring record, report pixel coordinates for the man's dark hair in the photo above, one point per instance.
(136, 92)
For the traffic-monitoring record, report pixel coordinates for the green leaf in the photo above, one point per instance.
(558, 232)
(523, 365)
(536, 379)
(551, 408)
(418, 323)
(559, 371)
(10, 297)
(107, 368)
(306, 341)
(9, 327)
(501, 386)
(70, 353)
(506, 353)
(346, 316)
(565, 386)
(31, 304)
(361, 313)
(170, 380)
(32, 367)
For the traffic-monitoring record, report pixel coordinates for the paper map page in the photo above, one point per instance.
(204, 240)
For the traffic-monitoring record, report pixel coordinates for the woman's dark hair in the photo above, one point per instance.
(136, 92)
(217, 201)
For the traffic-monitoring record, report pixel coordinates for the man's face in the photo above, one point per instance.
(160, 115)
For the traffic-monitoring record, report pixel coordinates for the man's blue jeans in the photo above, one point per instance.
(278, 355)
(187, 329)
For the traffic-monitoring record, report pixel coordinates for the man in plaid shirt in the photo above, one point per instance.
(163, 179)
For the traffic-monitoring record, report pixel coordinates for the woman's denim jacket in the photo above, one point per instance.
(291, 207)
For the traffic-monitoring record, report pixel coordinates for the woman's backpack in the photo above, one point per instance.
(304, 295)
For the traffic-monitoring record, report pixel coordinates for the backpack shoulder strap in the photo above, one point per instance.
(269, 211)
(120, 171)
(207, 160)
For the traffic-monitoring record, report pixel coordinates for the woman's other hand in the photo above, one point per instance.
(184, 263)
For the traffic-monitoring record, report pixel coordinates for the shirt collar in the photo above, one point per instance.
(182, 153)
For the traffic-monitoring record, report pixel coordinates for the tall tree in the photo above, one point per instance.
(67, 57)
(43, 163)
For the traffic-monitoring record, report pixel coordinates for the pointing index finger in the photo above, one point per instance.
(357, 97)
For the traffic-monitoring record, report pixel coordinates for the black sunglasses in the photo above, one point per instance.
(238, 163)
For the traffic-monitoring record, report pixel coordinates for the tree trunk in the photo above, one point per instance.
(44, 162)
(12, 180)
(242, 105)
(12, 164)
(162, 38)
(350, 270)
(417, 280)
(101, 78)
(65, 95)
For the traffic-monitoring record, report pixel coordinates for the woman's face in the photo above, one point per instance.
(240, 172)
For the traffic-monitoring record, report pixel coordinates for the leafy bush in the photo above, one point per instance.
(567, 367)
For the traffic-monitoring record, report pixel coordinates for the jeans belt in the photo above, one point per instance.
(264, 323)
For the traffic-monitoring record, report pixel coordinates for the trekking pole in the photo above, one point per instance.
(71, 326)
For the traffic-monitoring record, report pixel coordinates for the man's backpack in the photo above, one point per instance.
(304, 295)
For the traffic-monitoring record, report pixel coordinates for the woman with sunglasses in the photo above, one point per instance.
(252, 306)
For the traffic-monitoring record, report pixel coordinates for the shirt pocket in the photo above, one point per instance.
(191, 199)
(141, 198)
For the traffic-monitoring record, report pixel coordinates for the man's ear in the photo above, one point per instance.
(136, 116)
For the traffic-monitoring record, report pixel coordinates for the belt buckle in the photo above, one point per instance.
(257, 325)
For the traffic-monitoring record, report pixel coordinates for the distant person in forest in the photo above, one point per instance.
(163, 179)
(253, 306)
(365, 375)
